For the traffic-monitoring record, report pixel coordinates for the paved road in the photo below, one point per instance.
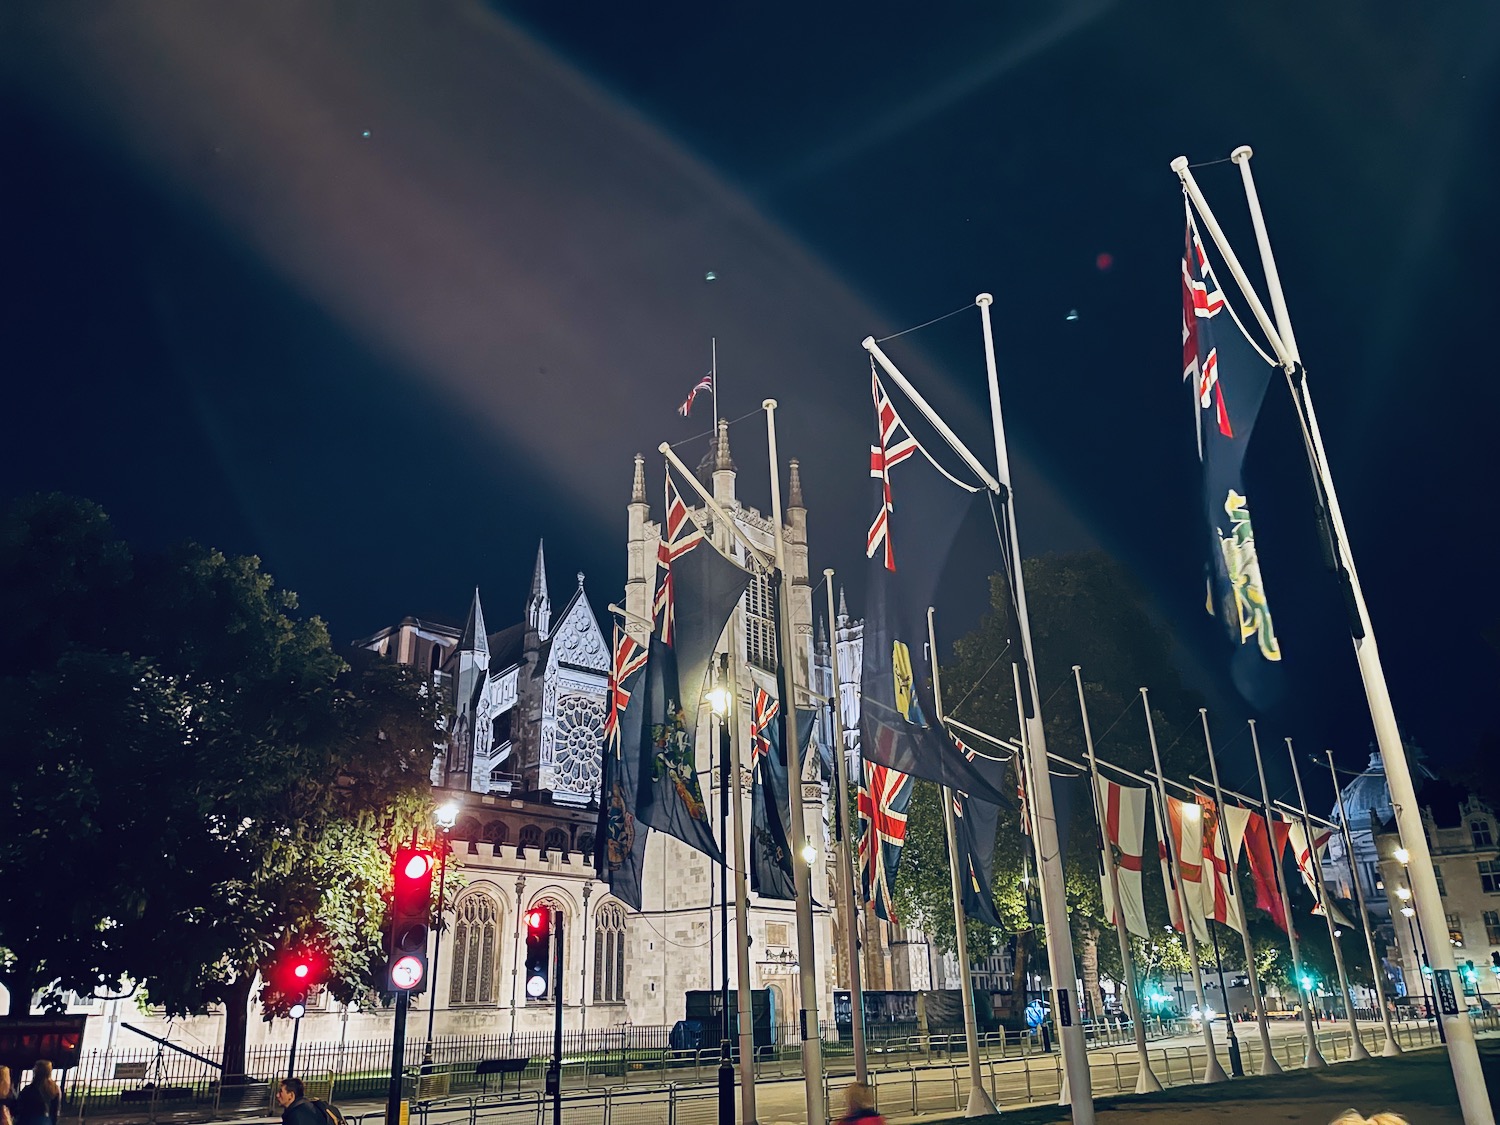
(905, 1091)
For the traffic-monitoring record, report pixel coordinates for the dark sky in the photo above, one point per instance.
(384, 292)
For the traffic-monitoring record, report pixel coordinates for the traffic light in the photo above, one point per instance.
(538, 952)
(302, 973)
(411, 919)
(291, 978)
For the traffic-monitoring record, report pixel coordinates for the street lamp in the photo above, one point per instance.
(809, 854)
(445, 816)
(719, 699)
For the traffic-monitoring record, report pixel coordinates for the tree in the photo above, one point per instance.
(1086, 610)
(199, 768)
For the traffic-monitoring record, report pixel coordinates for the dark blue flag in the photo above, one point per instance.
(1227, 377)
(918, 510)
(976, 824)
(770, 801)
(620, 839)
(697, 589)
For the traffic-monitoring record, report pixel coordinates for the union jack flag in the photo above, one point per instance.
(1201, 299)
(766, 708)
(896, 445)
(704, 384)
(630, 657)
(679, 535)
(884, 798)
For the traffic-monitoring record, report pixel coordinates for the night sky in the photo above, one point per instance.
(384, 292)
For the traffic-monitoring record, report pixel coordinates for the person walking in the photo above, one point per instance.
(291, 1095)
(7, 1098)
(40, 1099)
(860, 1105)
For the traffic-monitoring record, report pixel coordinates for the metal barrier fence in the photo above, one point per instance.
(633, 1083)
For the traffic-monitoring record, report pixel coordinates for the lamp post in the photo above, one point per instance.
(1418, 946)
(446, 816)
(718, 699)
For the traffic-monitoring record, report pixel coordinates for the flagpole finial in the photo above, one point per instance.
(770, 403)
(984, 300)
(1180, 165)
(1241, 154)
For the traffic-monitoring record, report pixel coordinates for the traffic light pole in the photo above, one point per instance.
(398, 1059)
(554, 1067)
(291, 1058)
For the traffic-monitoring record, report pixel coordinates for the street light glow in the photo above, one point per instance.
(718, 699)
(1402, 855)
(1402, 893)
(1407, 912)
(809, 853)
(446, 815)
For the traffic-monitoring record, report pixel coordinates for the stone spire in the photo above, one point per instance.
(474, 638)
(723, 477)
(794, 487)
(539, 605)
(638, 487)
(722, 460)
(843, 609)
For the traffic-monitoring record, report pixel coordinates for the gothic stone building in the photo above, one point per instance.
(523, 758)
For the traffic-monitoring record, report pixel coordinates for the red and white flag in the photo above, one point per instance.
(1306, 857)
(1218, 891)
(704, 384)
(1186, 819)
(1125, 831)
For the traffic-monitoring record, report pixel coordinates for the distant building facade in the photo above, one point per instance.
(1464, 838)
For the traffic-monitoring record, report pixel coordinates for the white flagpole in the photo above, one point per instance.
(1357, 1046)
(1314, 1057)
(1392, 1048)
(1268, 1063)
(1028, 762)
(744, 1002)
(846, 865)
(812, 1044)
(713, 374)
(1146, 1081)
(980, 1104)
(1049, 853)
(930, 414)
(1463, 1053)
(1213, 1070)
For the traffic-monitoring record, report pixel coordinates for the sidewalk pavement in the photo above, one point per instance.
(1417, 1085)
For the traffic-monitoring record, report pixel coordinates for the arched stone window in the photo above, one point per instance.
(557, 841)
(476, 941)
(609, 954)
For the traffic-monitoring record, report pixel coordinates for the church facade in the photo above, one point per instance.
(522, 758)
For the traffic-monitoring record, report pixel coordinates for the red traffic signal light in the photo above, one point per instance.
(411, 919)
(536, 921)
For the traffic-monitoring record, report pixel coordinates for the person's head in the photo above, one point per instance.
(1354, 1117)
(860, 1097)
(4, 1081)
(41, 1075)
(290, 1090)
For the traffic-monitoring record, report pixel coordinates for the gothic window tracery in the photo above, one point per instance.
(580, 734)
(476, 932)
(760, 623)
(531, 838)
(555, 841)
(609, 954)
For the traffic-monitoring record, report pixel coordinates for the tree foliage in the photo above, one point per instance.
(196, 778)
(1085, 609)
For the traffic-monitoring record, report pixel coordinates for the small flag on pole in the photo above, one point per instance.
(704, 384)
